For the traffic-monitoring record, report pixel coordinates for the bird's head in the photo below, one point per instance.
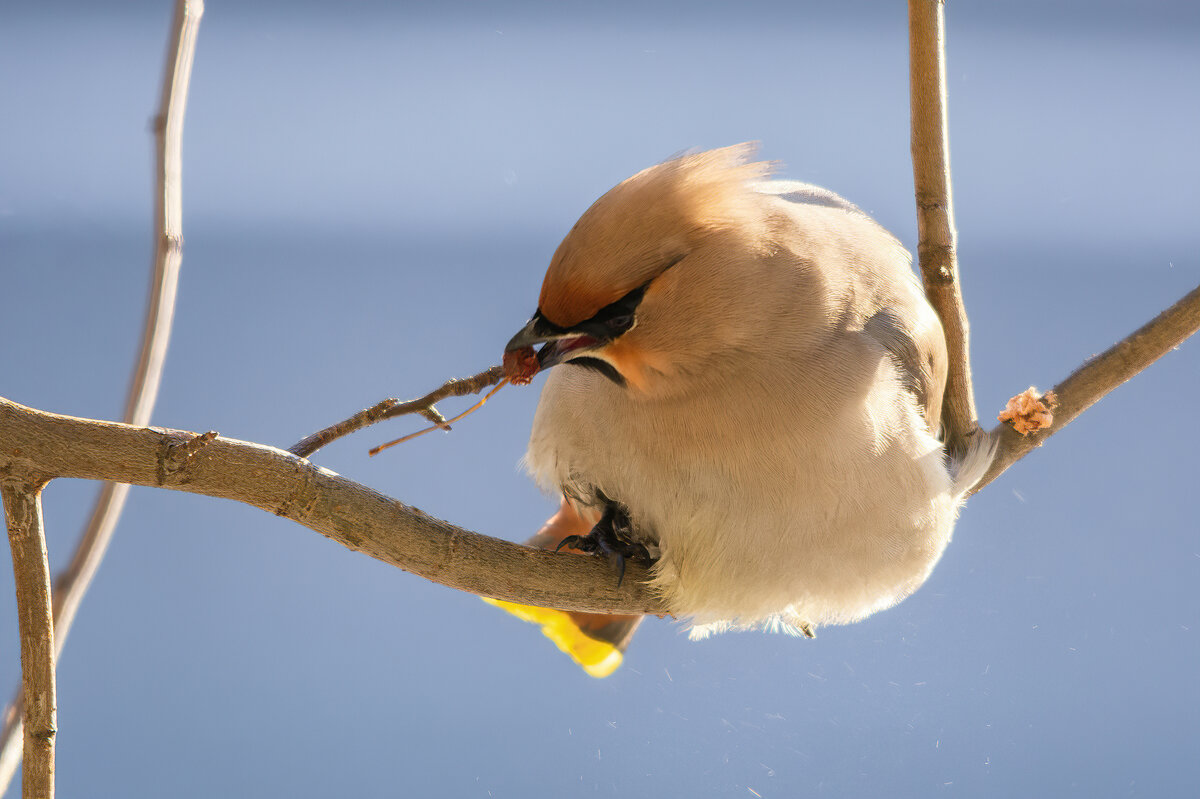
(639, 288)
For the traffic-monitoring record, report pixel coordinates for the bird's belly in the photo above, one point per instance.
(796, 533)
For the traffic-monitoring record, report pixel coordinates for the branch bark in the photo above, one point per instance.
(936, 250)
(26, 536)
(72, 584)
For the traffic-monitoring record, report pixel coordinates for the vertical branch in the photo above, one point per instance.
(23, 516)
(73, 582)
(935, 210)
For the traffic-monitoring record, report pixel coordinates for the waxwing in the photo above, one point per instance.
(745, 385)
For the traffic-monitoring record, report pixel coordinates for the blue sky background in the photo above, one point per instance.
(372, 192)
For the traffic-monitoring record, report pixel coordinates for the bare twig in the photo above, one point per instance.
(23, 515)
(391, 408)
(353, 515)
(72, 584)
(935, 211)
(1099, 376)
(441, 425)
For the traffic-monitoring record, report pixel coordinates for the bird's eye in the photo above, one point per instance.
(620, 323)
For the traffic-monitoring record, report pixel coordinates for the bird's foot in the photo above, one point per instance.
(612, 537)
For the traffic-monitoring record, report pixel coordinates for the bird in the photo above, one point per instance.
(744, 388)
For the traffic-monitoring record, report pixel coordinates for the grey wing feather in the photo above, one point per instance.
(796, 191)
(920, 354)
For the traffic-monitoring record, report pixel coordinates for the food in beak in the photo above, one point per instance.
(520, 365)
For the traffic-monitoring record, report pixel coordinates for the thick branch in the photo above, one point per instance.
(72, 584)
(23, 515)
(351, 514)
(1100, 375)
(935, 211)
(391, 408)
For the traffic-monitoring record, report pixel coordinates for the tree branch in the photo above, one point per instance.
(1100, 375)
(935, 212)
(392, 407)
(351, 514)
(72, 584)
(23, 515)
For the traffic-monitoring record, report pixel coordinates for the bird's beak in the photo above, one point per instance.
(528, 336)
(559, 345)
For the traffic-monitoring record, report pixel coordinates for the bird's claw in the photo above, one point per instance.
(583, 543)
(606, 539)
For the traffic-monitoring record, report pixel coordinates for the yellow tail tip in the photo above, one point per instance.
(597, 658)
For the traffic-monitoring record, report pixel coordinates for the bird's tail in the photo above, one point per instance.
(596, 641)
(970, 467)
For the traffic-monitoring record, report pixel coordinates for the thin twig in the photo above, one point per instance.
(442, 424)
(391, 408)
(31, 568)
(935, 212)
(72, 584)
(1100, 375)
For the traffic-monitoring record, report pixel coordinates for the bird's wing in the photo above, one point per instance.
(919, 349)
(795, 191)
(901, 321)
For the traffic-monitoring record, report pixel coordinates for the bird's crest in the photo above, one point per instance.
(645, 224)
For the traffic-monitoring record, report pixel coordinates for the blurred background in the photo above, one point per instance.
(371, 194)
